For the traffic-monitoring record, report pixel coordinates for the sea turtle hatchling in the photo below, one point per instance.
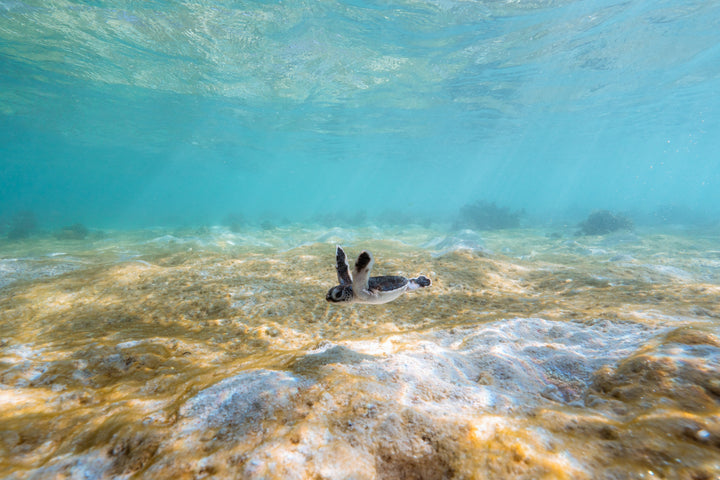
(362, 288)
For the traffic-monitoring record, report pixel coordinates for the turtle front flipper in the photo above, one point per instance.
(361, 273)
(343, 269)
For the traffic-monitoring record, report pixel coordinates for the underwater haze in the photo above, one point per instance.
(122, 114)
(176, 178)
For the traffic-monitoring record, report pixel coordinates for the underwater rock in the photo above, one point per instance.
(77, 231)
(14, 270)
(125, 457)
(22, 225)
(664, 400)
(683, 372)
(601, 222)
(240, 403)
(95, 465)
(692, 336)
(483, 215)
(409, 406)
(229, 418)
(311, 362)
(514, 361)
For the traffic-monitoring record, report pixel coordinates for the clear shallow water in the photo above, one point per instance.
(117, 114)
(174, 177)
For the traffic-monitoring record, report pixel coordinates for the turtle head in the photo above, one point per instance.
(339, 293)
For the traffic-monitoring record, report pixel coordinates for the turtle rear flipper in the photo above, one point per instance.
(419, 282)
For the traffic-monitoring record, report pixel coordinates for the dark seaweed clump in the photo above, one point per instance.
(22, 225)
(601, 222)
(483, 215)
(77, 231)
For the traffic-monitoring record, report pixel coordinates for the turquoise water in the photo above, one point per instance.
(119, 114)
(175, 178)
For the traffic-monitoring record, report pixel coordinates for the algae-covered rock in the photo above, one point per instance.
(242, 402)
(683, 372)
(601, 222)
(310, 363)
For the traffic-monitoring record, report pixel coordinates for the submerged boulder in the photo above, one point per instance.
(240, 403)
(601, 222)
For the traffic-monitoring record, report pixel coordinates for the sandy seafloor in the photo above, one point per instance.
(211, 354)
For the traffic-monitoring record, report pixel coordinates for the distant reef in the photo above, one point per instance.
(601, 222)
(22, 225)
(484, 215)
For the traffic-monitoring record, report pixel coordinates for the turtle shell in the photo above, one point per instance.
(387, 283)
